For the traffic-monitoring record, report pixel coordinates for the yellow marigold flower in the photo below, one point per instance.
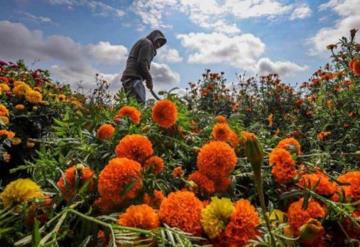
(19, 107)
(21, 89)
(4, 120)
(61, 97)
(3, 110)
(33, 96)
(18, 83)
(4, 87)
(216, 215)
(19, 191)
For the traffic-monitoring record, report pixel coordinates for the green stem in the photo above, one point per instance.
(260, 192)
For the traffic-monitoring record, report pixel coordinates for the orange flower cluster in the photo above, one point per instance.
(242, 225)
(140, 216)
(164, 113)
(223, 132)
(283, 165)
(322, 135)
(3, 110)
(177, 172)
(182, 209)
(290, 144)
(155, 164)
(354, 65)
(129, 111)
(216, 160)
(73, 179)
(116, 177)
(297, 216)
(203, 182)
(155, 199)
(7, 133)
(105, 131)
(135, 147)
(350, 186)
(324, 186)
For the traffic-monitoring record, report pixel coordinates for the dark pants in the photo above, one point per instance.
(135, 88)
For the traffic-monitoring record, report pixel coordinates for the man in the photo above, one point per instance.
(138, 65)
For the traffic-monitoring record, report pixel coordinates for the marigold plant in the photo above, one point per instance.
(140, 216)
(135, 147)
(155, 164)
(283, 165)
(105, 131)
(164, 113)
(129, 111)
(320, 182)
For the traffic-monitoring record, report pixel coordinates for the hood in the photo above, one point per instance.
(157, 35)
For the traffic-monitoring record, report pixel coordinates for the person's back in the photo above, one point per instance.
(138, 65)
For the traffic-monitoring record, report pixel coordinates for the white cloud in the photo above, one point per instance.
(301, 12)
(284, 68)
(162, 74)
(170, 55)
(349, 12)
(241, 51)
(97, 7)
(41, 19)
(106, 53)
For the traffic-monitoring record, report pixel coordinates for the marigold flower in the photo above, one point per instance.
(215, 215)
(354, 65)
(19, 191)
(322, 135)
(3, 110)
(129, 111)
(322, 182)
(216, 159)
(21, 89)
(182, 209)
(221, 132)
(164, 113)
(242, 225)
(155, 164)
(283, 165)
(73, 179)
(204, 184)
(33, 96)
(140, 216)
(135, 147)
(155, 199)
(290, 144)
(221, 119)
(7, 133)
(61, 97)
(4, 87)
(297, 216)
(177, 172)
(233, 139)
(120, 180)
(350, 186)
(19, 107)
(105, 131)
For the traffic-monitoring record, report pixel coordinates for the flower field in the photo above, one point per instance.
(253, 163)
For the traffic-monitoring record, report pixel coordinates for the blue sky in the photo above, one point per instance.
(75, 39)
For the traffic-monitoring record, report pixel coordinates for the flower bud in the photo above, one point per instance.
(253, 150)
(311, 231)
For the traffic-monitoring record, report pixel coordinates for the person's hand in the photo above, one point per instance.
(149, 84)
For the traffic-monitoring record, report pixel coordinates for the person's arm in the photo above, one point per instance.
(144, 58)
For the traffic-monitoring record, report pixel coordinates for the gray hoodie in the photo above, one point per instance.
(141, 55)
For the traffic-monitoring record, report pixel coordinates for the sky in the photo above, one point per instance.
(75, 39)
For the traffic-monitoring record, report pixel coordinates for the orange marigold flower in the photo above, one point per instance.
(233, 139)
(322, 135)
(242, 225)
(290, 144)
(21, 89)
(204, 183)
(182, 209)
(297, 216)
(350, 186)
(164, 113)
(19, 107)
(322, 182)
(155, 164)
(105, 131)
(355, 66)
(7, 133)
(116, 177)
(177, 172)
(155, 199)
(73, 179)
(140, 216)
(216, 159)
(135, 147)
(221, 119)
(33, 96)
(283, 165)
(221, 132)
(129, 111)
(4, 87)
(3, 110)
